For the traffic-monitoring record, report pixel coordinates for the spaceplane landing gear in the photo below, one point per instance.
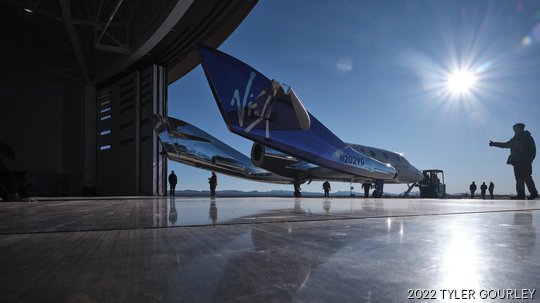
(378, 192)
(297, 182)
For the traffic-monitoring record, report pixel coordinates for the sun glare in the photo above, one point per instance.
(461, 82)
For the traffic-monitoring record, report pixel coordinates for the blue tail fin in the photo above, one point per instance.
(270, 113)
(247, 99)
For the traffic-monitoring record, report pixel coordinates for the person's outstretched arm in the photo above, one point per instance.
(500, 144)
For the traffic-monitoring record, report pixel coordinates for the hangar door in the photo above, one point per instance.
(128, 159)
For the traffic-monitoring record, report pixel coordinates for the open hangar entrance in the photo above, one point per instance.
(81, 79)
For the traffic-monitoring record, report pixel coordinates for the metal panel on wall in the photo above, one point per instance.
(128, 160)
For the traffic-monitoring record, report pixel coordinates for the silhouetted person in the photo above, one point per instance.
(366, 187)
(8, 187)
(435, 181)
(172, 183)
(491, 188)
(483, 189)
(472, 188)
(522, 153)
(326, 188)
(213, 184)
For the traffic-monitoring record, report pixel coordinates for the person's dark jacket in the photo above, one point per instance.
(483, 187)
(326, 186)
(522, 148)
(212, 180)
(172, 179)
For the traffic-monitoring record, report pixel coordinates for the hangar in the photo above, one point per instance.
(80, 80)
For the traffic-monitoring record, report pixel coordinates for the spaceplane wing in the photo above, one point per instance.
(185, 143)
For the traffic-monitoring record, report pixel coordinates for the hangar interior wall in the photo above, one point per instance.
(42, 118)
(128, 159)
(50, 122)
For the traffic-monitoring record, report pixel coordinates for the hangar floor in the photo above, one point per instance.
(268, 249)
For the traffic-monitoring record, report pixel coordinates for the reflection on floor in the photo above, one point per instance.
(267, 249)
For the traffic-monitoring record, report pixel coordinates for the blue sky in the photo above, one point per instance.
(377, 73)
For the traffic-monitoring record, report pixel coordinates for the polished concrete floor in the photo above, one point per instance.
(269, 250)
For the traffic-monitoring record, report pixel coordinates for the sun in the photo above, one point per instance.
(461, 82)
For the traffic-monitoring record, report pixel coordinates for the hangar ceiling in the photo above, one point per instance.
(94, 41)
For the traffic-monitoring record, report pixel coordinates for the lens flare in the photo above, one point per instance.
(460, 82)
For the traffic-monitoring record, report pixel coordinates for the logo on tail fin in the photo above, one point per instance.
(242, 104)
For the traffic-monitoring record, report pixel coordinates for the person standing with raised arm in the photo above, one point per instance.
(522, 153)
